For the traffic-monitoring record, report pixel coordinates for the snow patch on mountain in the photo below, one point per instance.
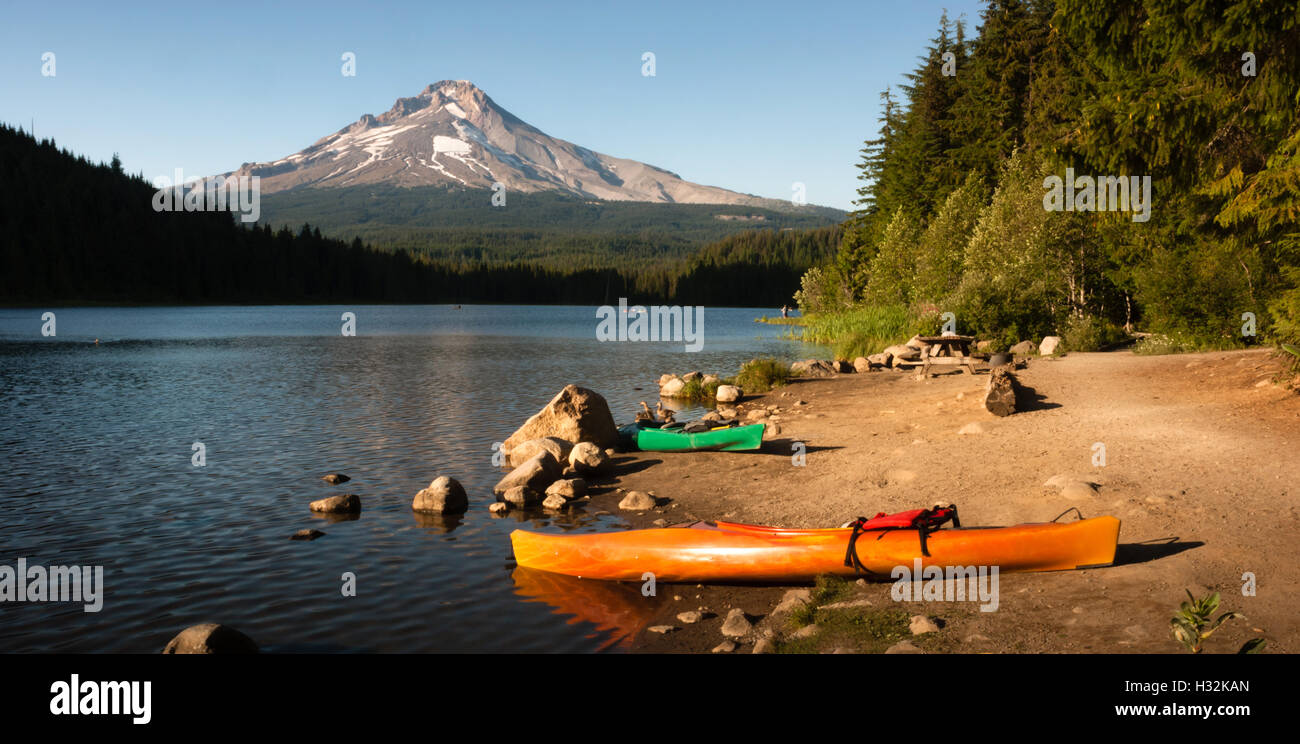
(453, 133)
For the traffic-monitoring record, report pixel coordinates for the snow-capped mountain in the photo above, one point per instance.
(452, 133)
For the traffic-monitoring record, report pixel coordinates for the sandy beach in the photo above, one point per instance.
(1200, 467)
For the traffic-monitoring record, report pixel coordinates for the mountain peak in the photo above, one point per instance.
(452, 133)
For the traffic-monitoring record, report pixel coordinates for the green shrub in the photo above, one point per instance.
(697, 391)
(761, 375)
(1285, 312)
(1090, 334)
(1181, 342)
(821, 290)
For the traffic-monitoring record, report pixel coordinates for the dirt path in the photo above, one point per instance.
(1202, 467)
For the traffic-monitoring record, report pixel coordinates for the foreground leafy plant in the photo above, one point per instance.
(1191, 625)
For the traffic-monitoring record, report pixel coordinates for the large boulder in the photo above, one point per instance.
(691, 376)
(728, 394)
(812, 368)
(587, 458)
(902, 352)
(568, 488)
(1049, 344)
(575, 415)
(672, 388)
(1023, 348)
(559, 449)
(445, 495)
(210, 638)
(1000, 396)
(861, 364)
(521, 497)
(536, 473)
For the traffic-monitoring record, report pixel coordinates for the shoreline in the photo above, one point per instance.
(1194, 474)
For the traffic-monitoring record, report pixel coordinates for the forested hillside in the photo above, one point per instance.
(550, 229)
(956, 212)
(75, 232)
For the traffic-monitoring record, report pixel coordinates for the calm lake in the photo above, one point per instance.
(95, 470)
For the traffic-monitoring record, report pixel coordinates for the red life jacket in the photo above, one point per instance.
(924, 521)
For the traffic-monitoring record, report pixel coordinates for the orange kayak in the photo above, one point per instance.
(727, 552)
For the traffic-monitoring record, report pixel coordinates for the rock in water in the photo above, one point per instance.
(521, 496)
(210, 638)
(568, 488)
(671, 388)
(554, 501)
(347, 503)
(637, 501)
(1000, 396)
(498, 507)
(728, 394)
(587, 458)
(336, 478)
(536, 473)
(558, 448)
(692, 376)
(306, 535)
(1049, 344)
(445, 495)
(575, 415)
(736, 625)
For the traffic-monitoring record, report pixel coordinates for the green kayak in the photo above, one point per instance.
(673, 439)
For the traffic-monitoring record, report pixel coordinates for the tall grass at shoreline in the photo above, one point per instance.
(862, 330)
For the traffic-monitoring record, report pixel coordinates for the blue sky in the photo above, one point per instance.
(750, 96)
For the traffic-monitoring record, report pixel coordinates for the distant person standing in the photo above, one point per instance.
(785, 311)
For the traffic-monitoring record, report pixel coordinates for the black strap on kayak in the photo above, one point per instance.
(851, 555)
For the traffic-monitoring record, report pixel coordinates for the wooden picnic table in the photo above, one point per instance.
(948, 350)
